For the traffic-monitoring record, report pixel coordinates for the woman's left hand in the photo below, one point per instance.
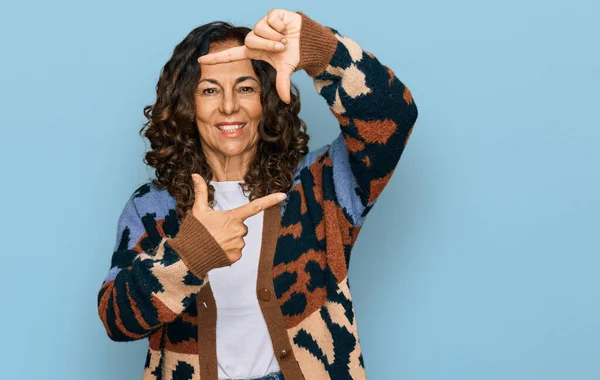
(274, 39)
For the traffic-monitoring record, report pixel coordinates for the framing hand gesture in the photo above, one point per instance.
(274, 39)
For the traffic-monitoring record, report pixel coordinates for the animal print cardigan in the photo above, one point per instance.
(155, 288)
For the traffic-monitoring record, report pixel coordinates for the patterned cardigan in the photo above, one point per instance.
(156, 286)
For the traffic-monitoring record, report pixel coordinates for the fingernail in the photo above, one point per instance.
(279, 45)
(281, 197)
(195, 177)
(284, 41)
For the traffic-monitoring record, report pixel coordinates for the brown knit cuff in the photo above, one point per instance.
(317, 46)
(197, 248)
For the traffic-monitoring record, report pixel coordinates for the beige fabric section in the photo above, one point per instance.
(154, 360)
(172, 279)
(356, 52)
(337, 314)
(320, 83)
(353, 80)
(315, 326)
(311, 367)
(172, 359)
(337, 105)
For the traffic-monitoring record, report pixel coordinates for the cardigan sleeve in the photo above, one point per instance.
(152, 278)
(375, 111)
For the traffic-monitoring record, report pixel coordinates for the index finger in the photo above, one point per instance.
(258, 205)
(237, 53)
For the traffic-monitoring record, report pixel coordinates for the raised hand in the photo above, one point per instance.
(227, 226)
(274, 39)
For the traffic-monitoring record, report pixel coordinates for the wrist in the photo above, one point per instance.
(317, 46)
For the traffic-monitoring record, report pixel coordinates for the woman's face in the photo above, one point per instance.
(228, 106)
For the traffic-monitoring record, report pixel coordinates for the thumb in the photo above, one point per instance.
(282, 83)
(200, 193)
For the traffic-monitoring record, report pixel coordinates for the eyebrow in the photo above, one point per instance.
(238, 80)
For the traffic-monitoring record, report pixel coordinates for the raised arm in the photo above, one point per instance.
(375, 110)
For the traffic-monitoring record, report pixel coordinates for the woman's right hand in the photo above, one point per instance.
(227, 226)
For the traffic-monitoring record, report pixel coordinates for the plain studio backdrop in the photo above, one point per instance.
(479, 261)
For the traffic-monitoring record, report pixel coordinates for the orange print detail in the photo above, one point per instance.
(159, 227)
(295, 230)
(378, 131)
(367, 161)
(135, 309)
(336, 257)
(164, 313)
(155, 340)
(407, 96)
(392, 76)
(315, 298)
(118, 320)
(353, 144)
(320, 230)
(344, 121)
(377, 186)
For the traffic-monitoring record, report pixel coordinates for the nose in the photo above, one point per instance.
(229, 103)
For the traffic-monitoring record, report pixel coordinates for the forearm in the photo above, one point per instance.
(155, 288)
(374, 108)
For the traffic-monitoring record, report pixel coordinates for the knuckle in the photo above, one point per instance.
(274, 14)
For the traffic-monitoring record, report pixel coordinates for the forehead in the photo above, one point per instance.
(229, 70)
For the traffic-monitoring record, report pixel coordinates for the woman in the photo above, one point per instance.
(234, 260)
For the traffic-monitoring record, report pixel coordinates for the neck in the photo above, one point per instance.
(228, 168)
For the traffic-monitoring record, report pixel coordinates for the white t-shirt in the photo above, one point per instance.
(244, 346)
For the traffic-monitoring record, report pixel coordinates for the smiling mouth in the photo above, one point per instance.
(231, 128)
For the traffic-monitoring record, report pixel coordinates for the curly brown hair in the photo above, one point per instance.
(173, 134)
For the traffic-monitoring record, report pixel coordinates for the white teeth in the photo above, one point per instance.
(230, 128)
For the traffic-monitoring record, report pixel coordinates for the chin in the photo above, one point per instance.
(234, 150)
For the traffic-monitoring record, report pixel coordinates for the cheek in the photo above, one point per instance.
(254, 109)
(203, 110)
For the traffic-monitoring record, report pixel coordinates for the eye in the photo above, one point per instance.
(209, 91)
(246, 89)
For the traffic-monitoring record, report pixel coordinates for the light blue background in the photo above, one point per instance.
(480, 260)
